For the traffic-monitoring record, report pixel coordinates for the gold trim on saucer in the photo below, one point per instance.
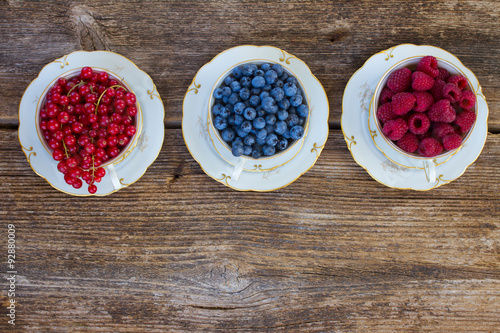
(196, 87)
(63, 62)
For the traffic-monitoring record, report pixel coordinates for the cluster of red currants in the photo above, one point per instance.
(87, 120)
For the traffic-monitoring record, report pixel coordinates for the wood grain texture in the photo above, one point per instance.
(333, 251)
(171, 40)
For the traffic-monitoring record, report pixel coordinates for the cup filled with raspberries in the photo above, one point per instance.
(425, 109)
(87, 119)
(258, 110)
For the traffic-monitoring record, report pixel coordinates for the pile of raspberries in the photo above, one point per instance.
(428, 110)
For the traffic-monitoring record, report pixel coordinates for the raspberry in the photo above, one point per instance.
(395, 129)
(452, 92)
(440, 130)
(459, 80)
(421, 81)
(437, 90)
(465, 120)
(452, 141)
(427, 134)
(418, 123)
(384, 113)
(386, 95)
(399, 80)
(429, 66)
(467, 100)
(443, 74)
(409, 142)
(442, 112)
(423, 102)
(402, 103)
(430, 147)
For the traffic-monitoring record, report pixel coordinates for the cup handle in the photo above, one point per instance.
(430, 171)
(114, 177)
(238, 168)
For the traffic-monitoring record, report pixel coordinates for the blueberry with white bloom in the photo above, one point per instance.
(282, 114)
(235, 86)
(282, 144)
(266, 66)
(237, 141)
(240, 132)
(245, 81)
(284, 76)
(263, 95)
(291, 79)
(278, 69)
(225, 112)
(280, 127)
(271, 119)
(228, 135)
(268, 104)
(220, 123)
(226, 91)
(218, 93)
(238, 119)
(255, 91)
(271, 76)
(296, 132)
(268, 150)
(290, 89)
(234, 98)
(296, 100)
(237, 150)
(279, 84)
(228, 79)
(284, 104)
(237, 72)
(260, 111)
(269, 129)
(261, 134)
(272, 139)
(258, 82)
(267, 87)
(249, 140)
(249, 113)
(259, 123)
(278, 94)
(217, 109)
(292, 120)
(239, 108)
(257, 151)
(249, 69)
(302, 110)
(246, 126)
(244, 93)
(254, 100)
(286, 135)
(259, 72)
(247, 150)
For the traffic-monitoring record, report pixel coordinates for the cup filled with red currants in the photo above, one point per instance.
(88, 119)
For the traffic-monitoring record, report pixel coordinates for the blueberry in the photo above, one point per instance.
(217, 109)
(272, 139)
(247, 150)
(235, 86)
(257, 151)
(218, 93)
(267, 87)
(240, 132)
(292, 120)
(246, 126)
(225, 99)
(225, 112)
(296, 132)
(245, 81)
(282, 114)
(259, 72)
(249, 113)
(278, 69)
(238, 119)
(282, 144)
(237, 150)
(237, 141)
(271, 76)
(260, 141)
(284, 103)
(271, 119)
(261, 134)
(280, 127)
(292, 110)
(284, 76)
(291, 79)
(249, 140)
(259, 123)
(302, 121)
(237, 72)
(228, 79)
(268, 103)
(268, 150)
(234, 98)
(278, 94)
(228, 135)
(249, 69)
(239, 108)
(220, 123)
(258, 82)
(244, 93)
(279, 84)
(266, 66)
(264, 94)
(302, 110)
(286, 135)
(226, 91)
(296, 100)
(254, 100)
(290, 89)
(255, 91)
(230, 119)
(260, 111)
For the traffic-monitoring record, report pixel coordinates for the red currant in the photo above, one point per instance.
(86, 73)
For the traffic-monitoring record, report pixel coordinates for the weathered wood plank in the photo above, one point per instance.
(335, 250)
(172, 40)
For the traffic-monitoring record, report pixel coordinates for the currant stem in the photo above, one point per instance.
(99, 100)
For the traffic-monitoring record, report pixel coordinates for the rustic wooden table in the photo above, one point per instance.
(335, 251)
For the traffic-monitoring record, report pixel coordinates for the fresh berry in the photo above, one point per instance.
(428, 65)
(443, 74)
(440, 130)
(402, 103)
(459, 80)
(467, 100)
(442, 111)
(437, 90)
(399, 80)
(384, 113)
(465, 120)
(418, 123)
(423, 101)
(430, 147)
(452, 141)
(452, 92)
(386, 95)
(420, 81)
(409, 142)
(395, 129)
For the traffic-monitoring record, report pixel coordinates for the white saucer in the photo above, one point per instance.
(254, 177)
(355, 112)
(149, 144)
